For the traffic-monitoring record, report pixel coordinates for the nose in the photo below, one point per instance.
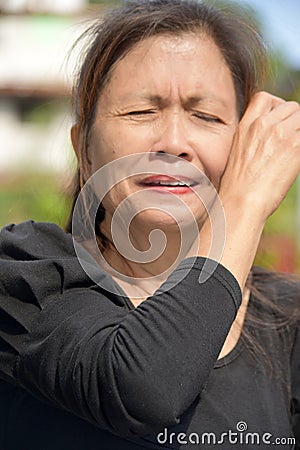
(172, 137)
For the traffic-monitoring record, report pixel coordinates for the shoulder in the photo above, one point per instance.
(33, 241)
(38, 262)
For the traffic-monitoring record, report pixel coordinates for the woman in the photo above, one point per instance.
(146, 356)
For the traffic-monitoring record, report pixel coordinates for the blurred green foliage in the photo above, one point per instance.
(278, 249)
(31, 196)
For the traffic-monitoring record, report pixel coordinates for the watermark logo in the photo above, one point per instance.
(118, 181)
(240, 436)
(241, 426)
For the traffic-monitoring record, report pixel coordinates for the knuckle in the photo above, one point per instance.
(293, 104)
(260, 123)
(261, 96)
(266, 97)
(265, 101)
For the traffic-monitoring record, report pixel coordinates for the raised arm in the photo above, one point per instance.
(263, 164)
(64, 340)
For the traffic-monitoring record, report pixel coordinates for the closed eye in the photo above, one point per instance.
(207, 118)
(140, 113)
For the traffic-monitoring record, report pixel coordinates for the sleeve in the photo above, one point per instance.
(296, 389)
(129, 372)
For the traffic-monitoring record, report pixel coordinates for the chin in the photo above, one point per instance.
(169, 221)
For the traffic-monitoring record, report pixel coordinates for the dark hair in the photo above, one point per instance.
(111, 37)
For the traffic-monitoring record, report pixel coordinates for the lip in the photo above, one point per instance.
(150, 183)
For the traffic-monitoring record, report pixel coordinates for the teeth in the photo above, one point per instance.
(170, 183)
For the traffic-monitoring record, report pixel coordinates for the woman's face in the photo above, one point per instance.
(169, 95)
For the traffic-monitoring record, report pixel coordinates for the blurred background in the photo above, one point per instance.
(36, 160)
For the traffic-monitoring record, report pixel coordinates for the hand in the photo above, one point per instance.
(265, 156)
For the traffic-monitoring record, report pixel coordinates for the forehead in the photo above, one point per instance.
(188, 63)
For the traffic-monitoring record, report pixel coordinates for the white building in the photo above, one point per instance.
(35, 79)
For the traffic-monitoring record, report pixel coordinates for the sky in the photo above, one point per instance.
(281, 22)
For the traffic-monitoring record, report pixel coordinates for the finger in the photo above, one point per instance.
(260, 104)
(293, 120)
(282, 112)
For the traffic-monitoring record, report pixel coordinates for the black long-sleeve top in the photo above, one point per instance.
(126, 373)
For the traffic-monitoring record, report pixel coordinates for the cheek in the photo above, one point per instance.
(215, 156)
(115, 141)
(102, 150)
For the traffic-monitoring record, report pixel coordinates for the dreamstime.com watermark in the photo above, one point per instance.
(239, 436)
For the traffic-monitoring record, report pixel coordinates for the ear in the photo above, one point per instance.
(76, 140)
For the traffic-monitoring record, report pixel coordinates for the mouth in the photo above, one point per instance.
(165, 183)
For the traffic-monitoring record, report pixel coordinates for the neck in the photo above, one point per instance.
(144, 262)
